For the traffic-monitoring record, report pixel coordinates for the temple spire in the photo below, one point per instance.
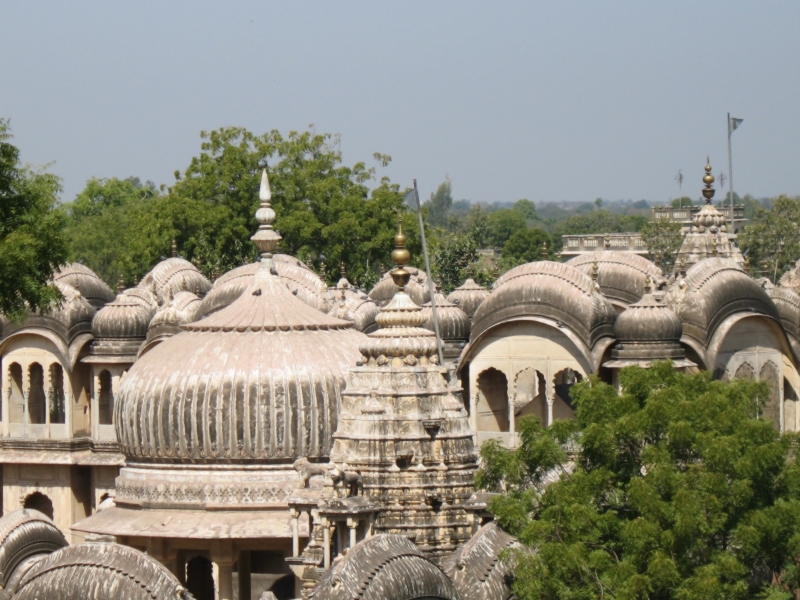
(266, 238)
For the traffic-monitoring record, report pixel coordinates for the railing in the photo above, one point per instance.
(621, 242)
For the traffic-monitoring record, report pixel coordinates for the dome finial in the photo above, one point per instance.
(174, 248)
(647, 286)
(708, 179)
(400, 257)
(266, 238)
(121, 284)
(343, 271)
(545, 255)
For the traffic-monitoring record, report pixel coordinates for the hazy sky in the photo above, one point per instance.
(548, 101)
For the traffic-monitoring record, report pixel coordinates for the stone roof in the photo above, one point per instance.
(25, 533)
(351, 304)
(787, 301)
(384, 567)
(620, 275)
(468, 296)
(453, 322)
(173, 275)
(82, 278)
(417, 288)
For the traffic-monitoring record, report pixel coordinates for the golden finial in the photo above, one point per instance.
(595, 270)
(121, 284)
(135, 280)
(174, 248)
(545, 255)
(216, 272)
(342, 271)
(400, 257)
(647, 287)
(747, 263)
(607, 241)
(708, 179)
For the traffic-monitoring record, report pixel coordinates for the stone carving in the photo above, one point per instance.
(307, 470)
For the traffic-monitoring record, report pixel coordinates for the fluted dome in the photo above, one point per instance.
(184, 308)
(648, 321)
(417, 288)
(174, 275)
(300, 280)
(620, 275)
(23, 534)
(468, 297)
(351, 304)
(87, 282)
(453, 324)
(125, 317)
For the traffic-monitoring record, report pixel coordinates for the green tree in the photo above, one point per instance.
(526, 245)
(597, 221)
(663, 239)
(526, 208)
(452, 258)
(477, 224)
(503, 224)
(677, 492)
(772, 241)
(440, 204)
(32, 244)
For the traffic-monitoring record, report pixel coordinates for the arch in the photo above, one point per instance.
(16, 399)
(58, 412)
(40, 502)
(563, 405)
(771, 408)
(284, 588)
(745, 371)
(105, 398)
(200, 578)
(530, 395)
(492, 405)
(37, 400)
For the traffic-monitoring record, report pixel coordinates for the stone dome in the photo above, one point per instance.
(468, 297)
(99, 571)
(184, 308)
(259, 380)
(555, 291)
(454, 324)
(87, 282)
(648, 321)
(124, 318)
(300, 280)
(787, 301)
(417, 288)
(620, 275)
(23, 534)
(143, 297)
(351, 304)
(173, 275)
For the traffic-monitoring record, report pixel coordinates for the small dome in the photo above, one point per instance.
(174, 275)
(300, 280)
(417, 288)
(454, 324)
(468, 297)
(25, 533)
(184, 308)
(86, 281)
(351, 304)
(99, 571)
(648, 321)
(620, 275)
(144, 297)
(787, 301)
(125, 317)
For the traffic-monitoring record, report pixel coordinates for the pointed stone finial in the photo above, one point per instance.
(647, 284)
(266, 238)
(607, 242)
(545, 255)
(174, 248)
(682, 266)
(708, 179)
(343, 271)
(135, 280)
(400, 257)
(121, 284)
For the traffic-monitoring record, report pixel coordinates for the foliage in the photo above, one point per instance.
(663, 239)
(477, 223)
(526, 208)
(678, 492)
(32, 243)
(526, 245)
(772, 241)
(503, 224)
(439, 205)
(452, 258)
(597, 221)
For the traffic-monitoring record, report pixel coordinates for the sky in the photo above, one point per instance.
(549, 101)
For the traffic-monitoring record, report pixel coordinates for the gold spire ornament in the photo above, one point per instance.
(174, 248)
(708, 179)
(121, 284)
(545, 255)
(400, 258)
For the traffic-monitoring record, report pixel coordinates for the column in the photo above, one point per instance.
(352, 524)
(326, 544)
(223, 559)
(46, 385)
(549, 410)
(295, 532)
(244, 574)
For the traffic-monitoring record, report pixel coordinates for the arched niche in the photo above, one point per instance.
(16, 398)
(530, 397)
(200, 577)
(105, 398)
(40, 502)
(771, 407)
(492, 406)
(563, 405)
(57, 398)
(37, 399)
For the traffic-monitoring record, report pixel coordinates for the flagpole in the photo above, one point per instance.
(730, 175)
(430, 279)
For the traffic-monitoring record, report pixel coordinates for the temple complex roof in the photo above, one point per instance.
(468, 296)
(417, 288)
(620, 275)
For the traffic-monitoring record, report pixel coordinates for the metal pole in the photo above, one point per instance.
(430, 279)
(730, 175)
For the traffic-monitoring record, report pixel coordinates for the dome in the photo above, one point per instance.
(100, 571)
(25, 533)
(72, 319)
(143, 297)
(184, 308)
(791, 279)
(476, 568)
(468, 297)
(788, 304)
(351, 304)
(713, 290)
(417, 288)
(86, 281)
(620, 275)
(300, 280)
(453, 324)
(555, 291)
(381, 567)
(123, 318)
(648, 321)
(174, 275)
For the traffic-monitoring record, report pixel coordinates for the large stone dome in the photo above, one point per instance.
(126, 317)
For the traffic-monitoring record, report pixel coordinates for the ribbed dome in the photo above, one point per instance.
(620, 275)
(454, 324)
(125, 317)
(417, 288)
(468, 297)
(174, 275)
(25, 533)
(86, 281)
(300, 280)
(648, 321)
(259, 380)
(351, 304)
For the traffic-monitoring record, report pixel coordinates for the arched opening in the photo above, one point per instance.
(37, 401)
(283, 588)
(789, 407)
(563, 405)
(58, 413)
(16, 401)
(40, 502)
(200, 578)
(530, 396)
(492, 405)
(105, 399)
(771, 410)
(745, 371)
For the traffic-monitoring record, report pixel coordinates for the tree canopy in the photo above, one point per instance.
(677, 492)
(32, 244)
(524, 246)
(772, 242)
(663, 239)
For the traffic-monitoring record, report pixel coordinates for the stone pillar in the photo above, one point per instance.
(326, 544)
(161, 550)
(549, 411)
(244, 575)
(295, 532)
(352, 524)
(223, 559)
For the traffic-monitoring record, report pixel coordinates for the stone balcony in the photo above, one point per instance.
(575, 245)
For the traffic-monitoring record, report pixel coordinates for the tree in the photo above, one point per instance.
(677, 492)
(663, 238)
(503, 223)
(526, 245)
(598, 202)
(452, 257)
(526, 208)
(440, 204)
(597, 221)
(32, 244)
(772, 241)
